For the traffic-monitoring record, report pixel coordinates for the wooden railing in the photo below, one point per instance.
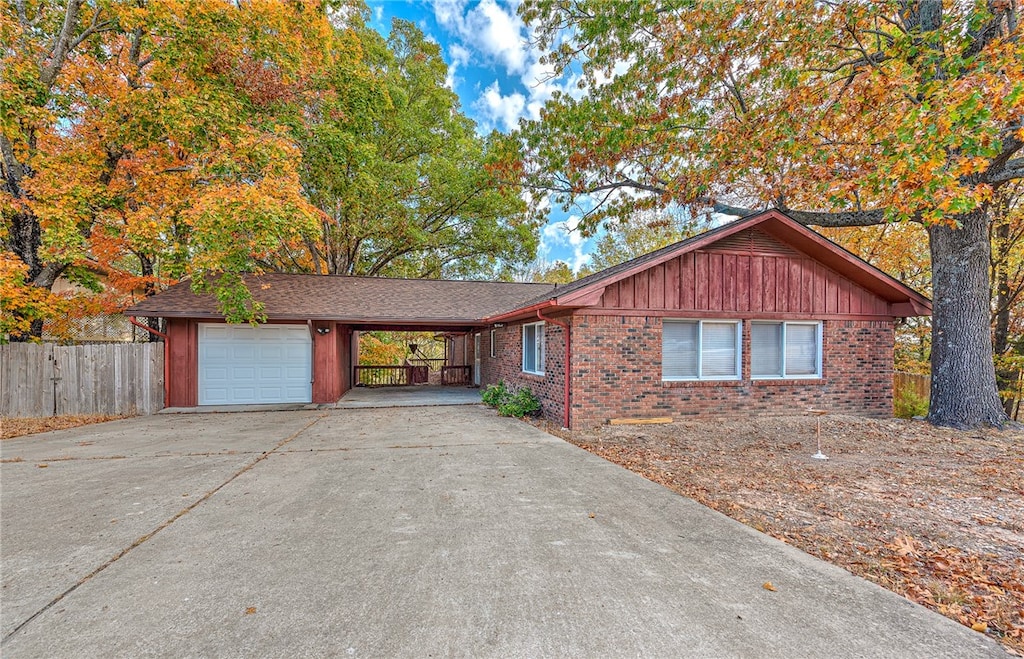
(456, 375)
(399, 376)
(430, 362)
(382, 376)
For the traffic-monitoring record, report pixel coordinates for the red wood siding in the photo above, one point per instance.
(183, 354)
(331, 363)
(749, 272)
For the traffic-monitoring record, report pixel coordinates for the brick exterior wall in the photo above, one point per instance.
(616, 368)
(507, 367)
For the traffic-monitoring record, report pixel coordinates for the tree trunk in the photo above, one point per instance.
(963, 392)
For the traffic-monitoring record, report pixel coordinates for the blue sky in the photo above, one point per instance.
(498, 76)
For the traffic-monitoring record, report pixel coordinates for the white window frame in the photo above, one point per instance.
(738, 337)
(817, 358)
(538, 348)
(494, 347)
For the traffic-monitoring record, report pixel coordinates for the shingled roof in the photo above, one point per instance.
(355, 299)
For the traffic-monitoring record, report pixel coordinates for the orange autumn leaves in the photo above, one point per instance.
(161, 147)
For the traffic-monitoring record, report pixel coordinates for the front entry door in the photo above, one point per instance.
(476, 359)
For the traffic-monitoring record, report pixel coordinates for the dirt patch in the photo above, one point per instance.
(933, 514)
(29, 426)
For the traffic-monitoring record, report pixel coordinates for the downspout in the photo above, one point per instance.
(167, 360)
(568, 357)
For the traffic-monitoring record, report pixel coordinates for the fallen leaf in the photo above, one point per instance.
(43, 466)
(980, 627)
(592, 515)
(251, 610)
(768, 586)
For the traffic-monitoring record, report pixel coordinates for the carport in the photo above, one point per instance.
(307, 350)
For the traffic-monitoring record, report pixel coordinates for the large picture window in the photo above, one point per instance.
(785, 350)
(700, 350)
(533, 348)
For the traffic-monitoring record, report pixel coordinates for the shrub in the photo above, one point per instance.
(519, 404)
(494, 394)
(909, 404)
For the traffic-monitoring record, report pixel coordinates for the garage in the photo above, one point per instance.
(242, 364)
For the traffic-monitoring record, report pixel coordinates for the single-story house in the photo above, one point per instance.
(759, 315)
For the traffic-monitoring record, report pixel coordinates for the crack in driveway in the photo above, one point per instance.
(163, 525)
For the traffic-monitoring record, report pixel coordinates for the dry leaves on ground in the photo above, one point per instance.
(936, 515)
(10, 427)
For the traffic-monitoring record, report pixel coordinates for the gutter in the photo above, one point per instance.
(167, 360)
(520, 313)
(568, 356)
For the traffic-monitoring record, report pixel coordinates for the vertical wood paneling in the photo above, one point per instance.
(641, 290)
(793, 301)
(688, 276)
(729, 282)
(770, 286)
(656, 290)
(807, 286)
(742, 283)
(626, 293)
(756, 283)
(700, 280)
(672, 284)
(715, 277)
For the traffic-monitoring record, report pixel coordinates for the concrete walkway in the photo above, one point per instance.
(414, 396)
(411, 532)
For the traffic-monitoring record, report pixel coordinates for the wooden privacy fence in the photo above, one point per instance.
(919, 384)
(52, 380)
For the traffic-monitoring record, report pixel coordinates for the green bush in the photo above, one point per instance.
(494, 394)
(909, 404)
(519, 404)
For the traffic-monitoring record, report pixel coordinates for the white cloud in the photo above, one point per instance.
(490, 28)
(491, 31)
(565, 234)
(500, 110)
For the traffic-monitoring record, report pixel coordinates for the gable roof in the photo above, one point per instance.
(438, 302)
(354, 299)
(778, 225)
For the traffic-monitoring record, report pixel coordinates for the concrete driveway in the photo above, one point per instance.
(406, 532)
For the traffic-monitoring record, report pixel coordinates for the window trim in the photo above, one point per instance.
(738, 339)
(494, 349)
(540, 354)
(819, 359)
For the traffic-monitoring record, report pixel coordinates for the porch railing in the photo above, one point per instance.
(430, 362)
(454, 375)
(399, 376)
(382, 376)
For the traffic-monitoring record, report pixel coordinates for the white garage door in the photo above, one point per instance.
(241, 364)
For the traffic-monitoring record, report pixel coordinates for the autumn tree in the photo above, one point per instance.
(150, 138)
(644, 232)
(401, 181)
(840, 114)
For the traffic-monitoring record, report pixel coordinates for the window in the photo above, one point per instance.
(494, 344)
(700, 350)
(533, 348)
(785, 350)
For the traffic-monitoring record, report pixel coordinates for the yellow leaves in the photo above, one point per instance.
(768, 586)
